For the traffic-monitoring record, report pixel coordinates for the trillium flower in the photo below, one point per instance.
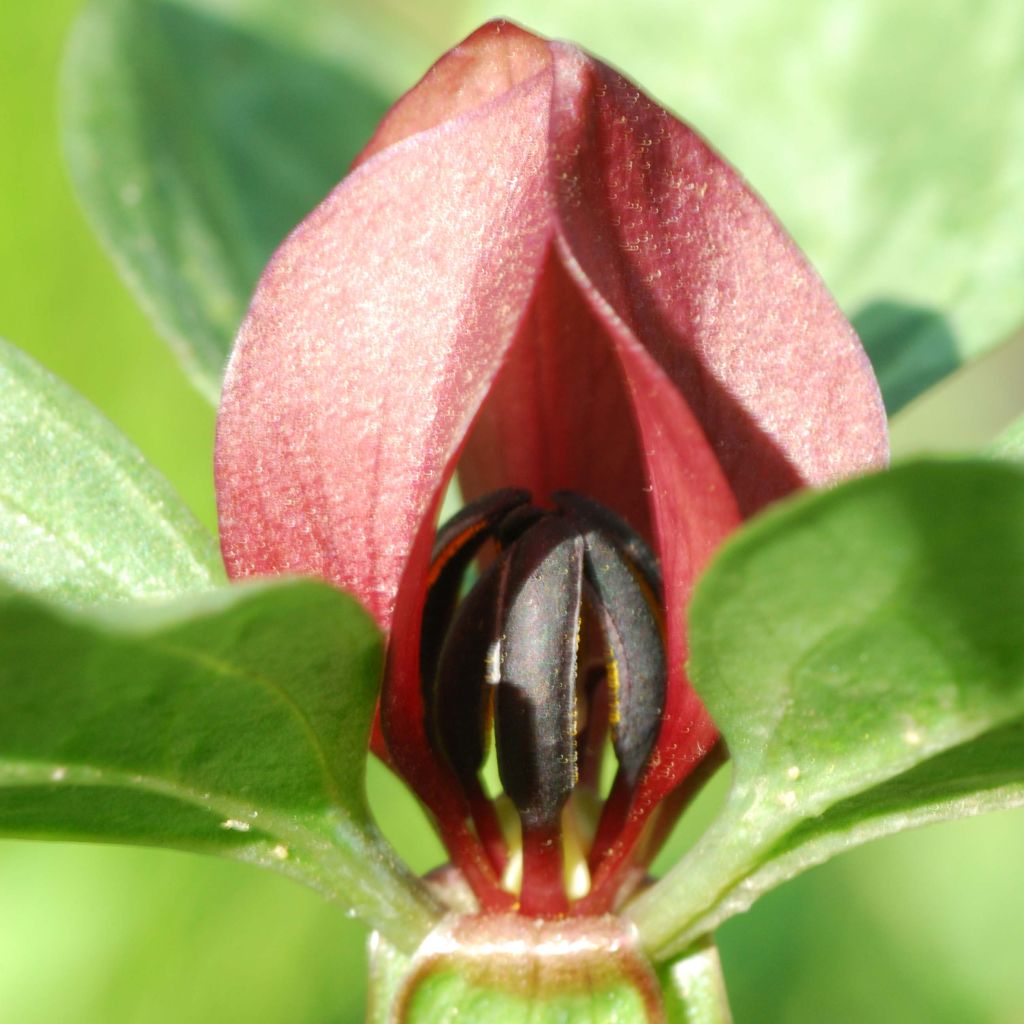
(535, 277)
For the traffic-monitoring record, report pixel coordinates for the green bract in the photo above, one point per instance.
(860, 651)
(234, 722)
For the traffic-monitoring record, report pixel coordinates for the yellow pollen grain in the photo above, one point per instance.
(614, 712)
(576, 706)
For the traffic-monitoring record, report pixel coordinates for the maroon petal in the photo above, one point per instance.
(372, 339)
(559, 416)
(698, 267)
(482, 68)
(693, 509)
(747, 380)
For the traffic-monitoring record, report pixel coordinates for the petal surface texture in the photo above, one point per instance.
(698, 267)
(373, 336)
(430, 281)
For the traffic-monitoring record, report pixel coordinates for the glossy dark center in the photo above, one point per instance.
(543, 627)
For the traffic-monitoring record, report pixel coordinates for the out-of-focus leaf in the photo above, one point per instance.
(889, 137)
(58, 296)
(199, 134)
(83, 517)
(1010, 443)
(860, 651)
(910, 349)
(235, 723)
(101, 934)
(967, 410)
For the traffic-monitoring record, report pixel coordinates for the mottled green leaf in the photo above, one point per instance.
(860, 651)
(235, 722)
(199, 133)
(83, 516)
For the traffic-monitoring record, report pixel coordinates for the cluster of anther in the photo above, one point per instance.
(557, 646)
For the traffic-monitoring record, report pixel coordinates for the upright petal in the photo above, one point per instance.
(698, 267)
(747, 381)
(497, 57)
(693, 509)
(372, 338)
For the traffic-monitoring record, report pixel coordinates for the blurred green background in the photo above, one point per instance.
(925, 927)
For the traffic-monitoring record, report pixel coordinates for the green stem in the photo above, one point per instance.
(387, 969)
(692, 991)
(693, 988)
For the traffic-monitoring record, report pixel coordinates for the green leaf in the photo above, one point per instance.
(910, 349)
(83, 516)
(889, 138)
(199, 134)
(860, 651)
(1010, 443)
(234, 723)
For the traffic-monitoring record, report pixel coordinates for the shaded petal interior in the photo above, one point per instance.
(698, 267)
(558, 416)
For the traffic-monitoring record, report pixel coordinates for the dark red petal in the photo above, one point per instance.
(693, 510)
(699, 269)
(559, 416)
(482, 68)
(714, 311)
(372, 339)
(403, 717)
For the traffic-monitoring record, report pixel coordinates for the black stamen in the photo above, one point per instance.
(457, 543)
(463, 698)
(636, 657)
(535, 714)
(516, 523)
(629, 542)
(508, 655)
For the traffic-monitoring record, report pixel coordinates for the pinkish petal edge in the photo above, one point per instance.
(373, 337)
